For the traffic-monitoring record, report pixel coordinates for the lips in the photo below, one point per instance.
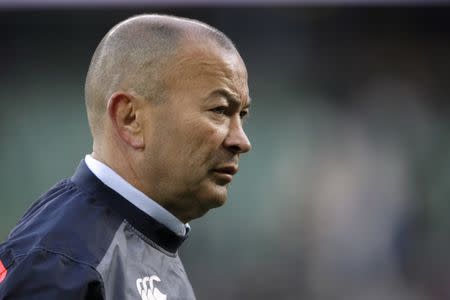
(224, 175)
(230, 170)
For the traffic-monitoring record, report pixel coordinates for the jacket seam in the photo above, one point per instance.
(40, 248)
(140, 234)
(149, 241)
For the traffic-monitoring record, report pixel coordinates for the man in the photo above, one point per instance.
(165, 98)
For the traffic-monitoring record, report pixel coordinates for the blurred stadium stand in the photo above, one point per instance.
(346, 192)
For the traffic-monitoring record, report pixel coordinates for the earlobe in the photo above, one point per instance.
(122, 111)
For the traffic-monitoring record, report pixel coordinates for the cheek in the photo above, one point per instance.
(191, 143)
(204, 136)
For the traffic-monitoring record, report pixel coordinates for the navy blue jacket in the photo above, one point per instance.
(82, 240)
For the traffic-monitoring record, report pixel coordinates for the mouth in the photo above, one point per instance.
(226, 173)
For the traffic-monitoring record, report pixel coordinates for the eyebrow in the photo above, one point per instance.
(231, 97)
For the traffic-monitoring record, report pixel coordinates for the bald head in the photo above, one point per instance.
(135, 56)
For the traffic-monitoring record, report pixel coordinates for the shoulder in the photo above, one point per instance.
(65, 221)
(46, 274)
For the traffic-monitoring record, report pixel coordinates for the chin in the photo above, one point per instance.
(208, 201)
(215, 198)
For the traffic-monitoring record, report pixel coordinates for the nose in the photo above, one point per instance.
(236, 140)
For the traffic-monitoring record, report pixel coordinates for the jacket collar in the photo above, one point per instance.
(148, 226)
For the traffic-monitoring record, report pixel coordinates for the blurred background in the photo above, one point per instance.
(346, 192)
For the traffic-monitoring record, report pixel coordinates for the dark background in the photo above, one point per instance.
(345, 194)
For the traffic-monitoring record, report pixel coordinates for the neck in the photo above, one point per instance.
(119, 161)
(125, 168)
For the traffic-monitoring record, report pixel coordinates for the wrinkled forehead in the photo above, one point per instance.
(209, 64)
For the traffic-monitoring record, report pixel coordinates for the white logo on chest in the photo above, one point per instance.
(147, 290)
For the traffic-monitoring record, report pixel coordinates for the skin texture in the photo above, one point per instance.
(180, 151)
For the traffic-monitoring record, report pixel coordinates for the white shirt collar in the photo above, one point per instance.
(136, 197)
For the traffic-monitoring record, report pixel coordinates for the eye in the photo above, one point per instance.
(220, 110)
(243, 114)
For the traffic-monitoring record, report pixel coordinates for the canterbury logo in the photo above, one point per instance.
(147, 290)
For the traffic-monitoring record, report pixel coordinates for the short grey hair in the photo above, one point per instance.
(134, 54)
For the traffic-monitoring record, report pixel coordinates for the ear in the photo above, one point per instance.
(122, 111)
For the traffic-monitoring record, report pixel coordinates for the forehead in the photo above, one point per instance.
(209, 67)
